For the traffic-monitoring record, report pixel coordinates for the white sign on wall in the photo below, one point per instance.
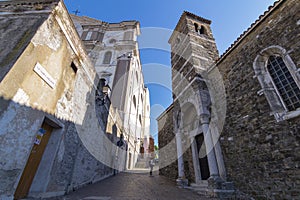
(41, 71)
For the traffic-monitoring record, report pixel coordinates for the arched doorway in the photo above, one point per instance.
(192, 127)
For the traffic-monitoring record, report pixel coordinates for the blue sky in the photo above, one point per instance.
(229, 19)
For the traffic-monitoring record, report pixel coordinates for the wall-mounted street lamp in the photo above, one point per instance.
(137, 140)
(121, 141)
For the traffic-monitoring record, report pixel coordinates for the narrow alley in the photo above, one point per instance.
(133, 185)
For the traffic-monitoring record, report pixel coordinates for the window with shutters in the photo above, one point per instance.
(280, 81)
(92, 35)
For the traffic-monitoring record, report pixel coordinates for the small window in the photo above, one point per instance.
(140, 118)
(73, 66)
(128, 35)
(91, 34)
(196, 27)
(137, 76)
(84, 34)
(134, 101)
(202, 30)
(107, 57)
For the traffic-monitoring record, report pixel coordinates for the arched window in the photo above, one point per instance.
(134, 101)
(280, 82)
(196, 27)
(284, 82)
(136, 76)
(107, 57)
(202, 30)
(140, 118)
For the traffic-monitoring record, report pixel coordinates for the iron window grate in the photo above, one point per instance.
(284, 82)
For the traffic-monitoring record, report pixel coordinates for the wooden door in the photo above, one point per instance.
(32, 164)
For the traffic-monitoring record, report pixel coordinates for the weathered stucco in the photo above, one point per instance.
(63, 97)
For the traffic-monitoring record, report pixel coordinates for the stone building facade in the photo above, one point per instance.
(252, 105)
(54, 108)
(114, 51)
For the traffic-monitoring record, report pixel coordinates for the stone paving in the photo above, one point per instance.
(132, 185)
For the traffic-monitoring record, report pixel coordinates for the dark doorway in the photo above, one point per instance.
(202, 157)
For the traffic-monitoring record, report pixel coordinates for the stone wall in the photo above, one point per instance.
(261, 155)
(166, 136)
(168, 164)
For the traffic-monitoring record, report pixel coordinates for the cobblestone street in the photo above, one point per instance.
(132, 185)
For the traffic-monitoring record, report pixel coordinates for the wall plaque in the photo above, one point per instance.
(42, 72)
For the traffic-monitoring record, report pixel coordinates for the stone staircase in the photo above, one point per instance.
(142, 163)
(224, 190)
(200, 188)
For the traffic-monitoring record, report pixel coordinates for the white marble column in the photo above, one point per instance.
(218, 151)
(196, 163)
(181, 181)
(180, 155)
(211, 157)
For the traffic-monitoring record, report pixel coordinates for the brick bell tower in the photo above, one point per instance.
(193, 51)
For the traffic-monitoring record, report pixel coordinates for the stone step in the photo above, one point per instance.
(200, 184)
(225, 192)
(140, 165)
(200, 188)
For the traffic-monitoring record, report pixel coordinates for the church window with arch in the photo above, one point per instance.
(284, 82)
(107, 57)
(280, 81)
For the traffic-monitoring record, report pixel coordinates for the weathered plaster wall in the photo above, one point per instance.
(81, 142)
(261, 155)
(19, 124)
(22, 117)
(15, 35)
